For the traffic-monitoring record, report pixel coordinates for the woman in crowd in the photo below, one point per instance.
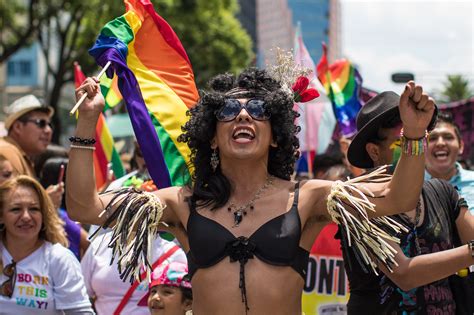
(170, 291)
(241, 203)
(39, 275)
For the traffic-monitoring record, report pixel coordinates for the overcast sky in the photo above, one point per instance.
(429, 38)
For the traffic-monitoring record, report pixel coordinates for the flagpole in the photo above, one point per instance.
(83, 97)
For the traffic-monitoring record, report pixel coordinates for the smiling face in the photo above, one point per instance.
(21, 214)
(32, 138)
(243, 138)
(444, 147)
(167, 300)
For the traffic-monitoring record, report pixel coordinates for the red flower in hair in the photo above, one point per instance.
(301, 93)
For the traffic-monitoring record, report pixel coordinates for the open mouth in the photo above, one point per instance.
(441, 155)
(243, 135)
(25, 227)
(156, 307)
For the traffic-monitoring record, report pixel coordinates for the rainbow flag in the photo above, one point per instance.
(342, 83)
(156, 81)
(105, 151)
(111, 92)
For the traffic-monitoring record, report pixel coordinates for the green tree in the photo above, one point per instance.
(456, 88)
(208, 29)
(70, 30)
(211, 34)
(20, 21)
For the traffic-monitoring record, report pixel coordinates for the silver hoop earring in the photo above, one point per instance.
(214, 160)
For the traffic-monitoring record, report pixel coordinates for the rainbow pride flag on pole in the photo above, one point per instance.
(156, 81)
(105, 151)
(342, 83)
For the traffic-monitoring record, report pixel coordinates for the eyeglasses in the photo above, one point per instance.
(232, 107)
(7, 287)
(41, 123)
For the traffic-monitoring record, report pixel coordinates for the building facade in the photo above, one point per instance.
(320, 22)
(248, 18)
(274, 29)
(23, 73)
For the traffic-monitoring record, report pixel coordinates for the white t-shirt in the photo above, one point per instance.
(48, 280)
(103, 281)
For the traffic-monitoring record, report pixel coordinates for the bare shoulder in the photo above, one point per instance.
(175, 199)
(173, 195)
(316, 188)
(313, 196)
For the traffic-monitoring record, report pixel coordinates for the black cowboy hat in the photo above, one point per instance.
(369, 119)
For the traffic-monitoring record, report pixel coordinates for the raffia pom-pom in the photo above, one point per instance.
(367, 238)
(136, 215)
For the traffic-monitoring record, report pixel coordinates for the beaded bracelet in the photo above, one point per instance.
(87, 147)
(414, 147)
(79, 140)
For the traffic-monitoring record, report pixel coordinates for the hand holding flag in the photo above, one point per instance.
(84, 95)
(105, 153)
(156, 81)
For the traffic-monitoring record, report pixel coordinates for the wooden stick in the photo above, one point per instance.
(83, 97)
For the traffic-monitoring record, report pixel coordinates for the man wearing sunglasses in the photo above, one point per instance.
(28, 123)
(29, 133)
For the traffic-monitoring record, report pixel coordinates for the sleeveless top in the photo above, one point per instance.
(276, 242)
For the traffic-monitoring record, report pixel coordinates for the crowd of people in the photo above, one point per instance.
(244, 226)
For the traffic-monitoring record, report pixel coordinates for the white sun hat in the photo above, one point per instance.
(24, 105)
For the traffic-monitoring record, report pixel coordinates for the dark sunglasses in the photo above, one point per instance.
(232, 107)
(41, 123)
(7, 287)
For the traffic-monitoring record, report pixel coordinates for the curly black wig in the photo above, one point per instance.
(213, 188)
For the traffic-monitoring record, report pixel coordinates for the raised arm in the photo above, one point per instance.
(83, 202)
(402, 192)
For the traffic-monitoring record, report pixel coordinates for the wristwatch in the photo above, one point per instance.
(471, 247)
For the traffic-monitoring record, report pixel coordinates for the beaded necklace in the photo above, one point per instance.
(241, 211)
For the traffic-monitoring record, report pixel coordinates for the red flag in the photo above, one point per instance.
(323, 66)
(79, 76)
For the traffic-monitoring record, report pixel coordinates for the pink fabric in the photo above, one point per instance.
(172, 274)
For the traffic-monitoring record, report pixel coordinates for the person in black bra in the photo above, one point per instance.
(245, 225)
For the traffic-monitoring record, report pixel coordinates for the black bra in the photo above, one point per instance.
(276, 242)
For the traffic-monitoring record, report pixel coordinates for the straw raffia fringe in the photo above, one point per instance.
(366, 237)
(136, 218)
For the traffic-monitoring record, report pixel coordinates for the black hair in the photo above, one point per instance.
(323, 162)
(447, 118)
(50, 173)
(386, 123)
(213, 188)
(187, 294)
(137, 152)
(52, 151)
